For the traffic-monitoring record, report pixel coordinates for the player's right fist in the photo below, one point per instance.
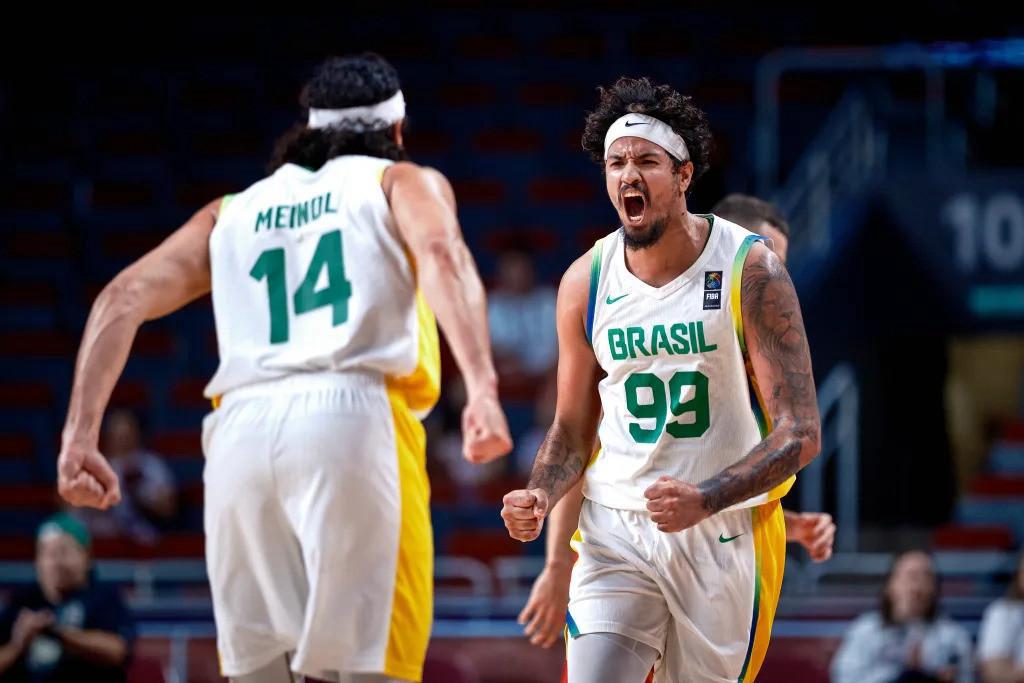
(85, 478)
(524, 512)
(485, 434)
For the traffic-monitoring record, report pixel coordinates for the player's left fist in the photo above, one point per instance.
(675, 505)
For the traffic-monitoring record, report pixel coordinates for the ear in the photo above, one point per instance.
(685, 176)
(398, 133)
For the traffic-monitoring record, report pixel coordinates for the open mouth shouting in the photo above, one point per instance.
(634, 205)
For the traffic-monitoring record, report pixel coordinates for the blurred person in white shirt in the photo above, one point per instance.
(906, 641)
(1001, 637)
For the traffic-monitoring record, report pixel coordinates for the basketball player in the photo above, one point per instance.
(670, 327)
(543, 616)
(323, 276)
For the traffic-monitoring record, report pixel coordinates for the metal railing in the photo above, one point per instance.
(839, 407)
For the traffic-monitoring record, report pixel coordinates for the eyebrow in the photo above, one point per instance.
(642, 155)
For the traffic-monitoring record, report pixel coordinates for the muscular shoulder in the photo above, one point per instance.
(407, 174)
(575, 285)
(769, 302)
(761, 267)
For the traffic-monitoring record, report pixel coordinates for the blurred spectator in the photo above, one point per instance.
(1001, 638)
(906, 640)
(521, 315)
(149, 502)
(757, 216)
(68, 627)
(529, 443)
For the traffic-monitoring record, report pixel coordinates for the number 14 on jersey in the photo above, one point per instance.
(329, 254)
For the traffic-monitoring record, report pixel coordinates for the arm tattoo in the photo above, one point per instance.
(558, 465)
(775, 333)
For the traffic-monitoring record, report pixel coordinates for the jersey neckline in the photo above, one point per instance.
(681, 279)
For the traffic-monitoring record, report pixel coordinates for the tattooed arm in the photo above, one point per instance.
(570, 440)
(777, 345)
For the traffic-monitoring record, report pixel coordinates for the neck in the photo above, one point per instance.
(678, 249)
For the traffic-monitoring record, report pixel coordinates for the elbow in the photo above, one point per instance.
(440, 255)
(803, 436)
(121, 298)
(808, 435)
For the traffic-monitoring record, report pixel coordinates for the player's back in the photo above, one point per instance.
(309, 275)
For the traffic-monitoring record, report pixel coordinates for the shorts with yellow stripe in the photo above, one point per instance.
(704, 598)
(318, 536)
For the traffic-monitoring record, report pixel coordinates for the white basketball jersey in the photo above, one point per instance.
(679, 398)
(309, 275)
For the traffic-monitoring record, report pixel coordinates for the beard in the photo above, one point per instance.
(646, 239)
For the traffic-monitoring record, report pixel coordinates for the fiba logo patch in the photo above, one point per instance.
(712, 289)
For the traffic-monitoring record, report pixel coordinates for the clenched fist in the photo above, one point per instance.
(85, 479)
(675, 505)
(485, 434)
(524, 512)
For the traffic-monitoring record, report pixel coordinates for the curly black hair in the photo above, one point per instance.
(663, 102)
(338, 83)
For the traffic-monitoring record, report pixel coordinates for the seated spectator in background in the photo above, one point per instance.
(906, 640)
(149, 502)
(1001, 637)
(529, 443)
(521, 314)
(758, 216)
(67, 627)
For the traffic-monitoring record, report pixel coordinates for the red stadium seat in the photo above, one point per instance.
(38, 497)
(510, 140)
(554, 95)
(153, 342)
(998, 485)
(559, 190)
(36, 344)
(188, 393)
(574, 46)
(479, 191)
(28, 294)
(130, 393)
(17, 547)
(131, 244)
(20, 395)
(28, 245)
(483, 544)
(972, 537)
(179, 443)
(1013, 430)
(17, 446)
(116, 194)
(194, 196)
(129, 143)
(36, 195)
(467, 95)
(145, 670)
(429, 142)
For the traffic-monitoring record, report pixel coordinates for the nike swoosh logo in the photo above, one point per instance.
(723, 539)
(610, 300)
(636, 123)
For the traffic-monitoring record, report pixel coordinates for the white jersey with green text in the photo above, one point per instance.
(679, 398)
(309, 275)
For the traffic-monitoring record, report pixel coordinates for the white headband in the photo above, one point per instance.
(361, 119)
(648, 128)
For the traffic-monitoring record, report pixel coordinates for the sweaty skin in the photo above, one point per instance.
(775, 338)
(178, 271)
